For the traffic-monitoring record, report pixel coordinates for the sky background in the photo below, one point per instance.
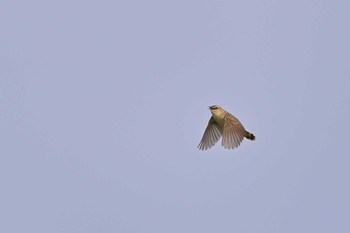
(103, 104)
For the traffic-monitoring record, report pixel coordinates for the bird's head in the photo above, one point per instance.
(215, 109)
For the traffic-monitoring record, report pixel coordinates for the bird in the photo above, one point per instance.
(223, 123)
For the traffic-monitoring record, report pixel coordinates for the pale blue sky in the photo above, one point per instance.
(103, 104)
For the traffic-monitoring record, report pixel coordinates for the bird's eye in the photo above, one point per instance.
(213, 107)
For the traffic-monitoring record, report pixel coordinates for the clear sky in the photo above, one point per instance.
(103, 104)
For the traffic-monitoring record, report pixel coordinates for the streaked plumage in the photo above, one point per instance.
(223, 124)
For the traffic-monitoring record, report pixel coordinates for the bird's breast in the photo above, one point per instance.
(219, 118)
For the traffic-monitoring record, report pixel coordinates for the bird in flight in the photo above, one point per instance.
(223, 124)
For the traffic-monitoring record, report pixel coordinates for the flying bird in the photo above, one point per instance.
(223, 124)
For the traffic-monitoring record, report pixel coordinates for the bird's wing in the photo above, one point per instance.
(233, 132)
(211, 135)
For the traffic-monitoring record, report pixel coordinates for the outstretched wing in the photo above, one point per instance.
(211, 135)
(233, 132)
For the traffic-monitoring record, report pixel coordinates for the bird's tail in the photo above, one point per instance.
(250, 136)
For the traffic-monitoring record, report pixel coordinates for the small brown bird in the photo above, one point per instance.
(225, 124)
